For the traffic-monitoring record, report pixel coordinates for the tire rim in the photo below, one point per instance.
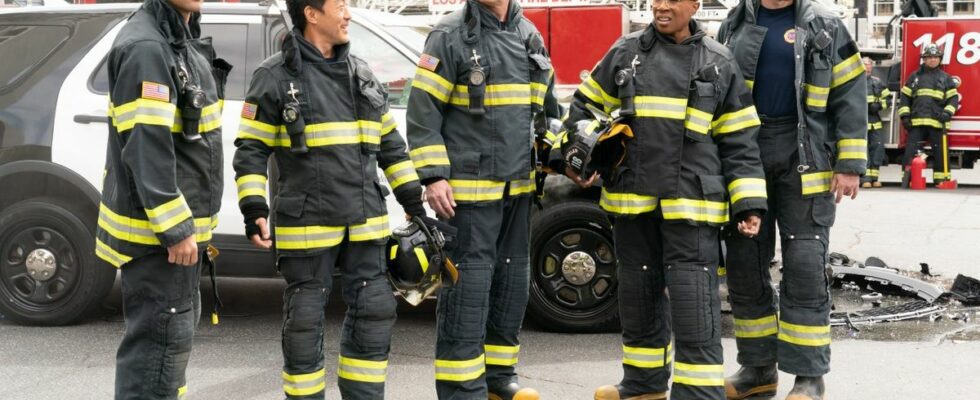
(576, 270)
(38, 267)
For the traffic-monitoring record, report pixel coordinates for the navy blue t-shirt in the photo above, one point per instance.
(774, 91)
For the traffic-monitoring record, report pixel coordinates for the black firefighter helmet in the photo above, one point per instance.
(600, 144)
(931, 50)
(417, 258)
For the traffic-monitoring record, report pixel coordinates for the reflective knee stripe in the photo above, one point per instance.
(373, 228)
(699, 375)
(388, 124)
(432, 83)
(251, 185)
(804, 335)
(714, 212)
(181, 392)
(736, 121)
(303, 384)
(816, 182)
(852, 149)
(756, 328)
(308, 237)
(660, 107)
(698, 121)
(142, 111)
(647, 357)
(501, 355)
(429, 155)
(747, 188)
(476, 190)
(401, 173)
(353, 369)
(111, 256)
(460, 370)
(169, 214)
(593, 91)
(627, 203)
(846, 70)
(521, 186)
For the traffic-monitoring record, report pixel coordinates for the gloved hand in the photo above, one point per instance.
(907, 122)
(411, 201)
(945, 117)
(874, 107)
(252, 212)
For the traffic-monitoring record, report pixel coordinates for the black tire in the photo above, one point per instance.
(80, 280)
(556, 303)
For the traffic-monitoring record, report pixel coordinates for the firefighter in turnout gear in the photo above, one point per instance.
(324, 115)
(926, 106)
(481, 84)
(805, 74)
(692, 162)
(162, 188)
(878, 96)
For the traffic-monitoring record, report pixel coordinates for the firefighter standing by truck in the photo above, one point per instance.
(324, 115)
(805, 72)
(483, 78)
(693, 148)
(878, 96)
(926, 106)
(162, 188)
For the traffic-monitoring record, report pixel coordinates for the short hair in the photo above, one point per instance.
(295, 9)
(867, 60)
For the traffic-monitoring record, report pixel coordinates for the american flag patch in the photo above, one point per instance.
(249, 110)
(428, 62)
(155, 91)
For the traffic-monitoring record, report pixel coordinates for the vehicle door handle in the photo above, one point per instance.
(88, 118)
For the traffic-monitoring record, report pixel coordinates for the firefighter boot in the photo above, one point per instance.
(618, 392)
(512, 391)
(876, 184)
(752, 381)
(807, 388)
(866, 185)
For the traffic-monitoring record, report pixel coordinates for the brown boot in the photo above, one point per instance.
(752, 381)
(512, 391)
(610, 392)
(876, 184)
(866, 185)
(807, 388)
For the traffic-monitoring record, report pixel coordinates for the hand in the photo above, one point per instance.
(183, 253)
(907, 122)
(584, 184)
(262, 240)
(874, 107)
(845, 185)
(944, 117)
(439, 195)
(749, 227)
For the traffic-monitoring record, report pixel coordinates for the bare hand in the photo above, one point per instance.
(749, 227)
(184, 252)
(584, 184)
(845, 185)
(263, 242)
(439, 195)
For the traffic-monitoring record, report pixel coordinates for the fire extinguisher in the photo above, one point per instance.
(916, 180)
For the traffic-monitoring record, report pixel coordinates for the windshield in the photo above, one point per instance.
(412, 37)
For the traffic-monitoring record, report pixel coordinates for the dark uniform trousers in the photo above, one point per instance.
(161, 306)
(366, 332)
(479, 317)
(876, 156)
(800, 341)
(668, 283)
(940, 149)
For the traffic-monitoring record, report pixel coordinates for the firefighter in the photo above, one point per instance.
(878, 96)
(805, 74)
(162, 188)
(324, 115)
(927, 104)
(692, 153)
(483, 78)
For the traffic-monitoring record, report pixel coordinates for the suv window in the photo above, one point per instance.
(31, 44)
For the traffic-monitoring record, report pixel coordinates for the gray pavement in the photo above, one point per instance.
(240, 358)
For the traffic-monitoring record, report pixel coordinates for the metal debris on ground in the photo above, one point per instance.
(966, 290)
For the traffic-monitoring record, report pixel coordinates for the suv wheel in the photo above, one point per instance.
(573, 269)
(49, 274)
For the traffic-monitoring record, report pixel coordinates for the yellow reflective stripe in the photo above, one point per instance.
(505, 94)
(736, 121)
(420, 255)
(750, 83)
(646, 357)
(460, 370)
(139, 231)
(695, 210)
(521, 186)
(142, 111)
(433, 84)
(388, 124)
(756, 328)
(251, 185)
(181, 392)
(372, 229)
(852, 149)
(255, 130)
(303, 384)
(660, 107)
(872, 98)
(847, 70)
(903, 110)
(906, 90)
(697, 120)
(362, 370)
(169, 214)
(334, 133)
(816, 182)
(110, 255)
(874, 126)
(816, 96)
(501, 355)
(930, 122)
(626, 203)
(747, 187)
(210, 118)
(804, 335)
(538, 91)
(429, 155)
(950, 109)
(872, 173)
(951, 93)
(699, 375)
(401, 173)
(476, 190)
(308, 237)
(937, 94)
(593, 91)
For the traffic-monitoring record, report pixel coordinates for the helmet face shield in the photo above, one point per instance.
(931, 50)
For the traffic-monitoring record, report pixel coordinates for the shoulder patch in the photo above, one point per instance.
(847, 50)
(428, 62)
(155, 91)
(249, 110)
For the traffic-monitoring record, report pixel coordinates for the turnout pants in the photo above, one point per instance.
(366, 333)
(798, 336)
(876, 155)
(940, 150)
(161, 306)
(479, 317)
(668, 283)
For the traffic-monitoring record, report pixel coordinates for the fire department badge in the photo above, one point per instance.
(790, 36)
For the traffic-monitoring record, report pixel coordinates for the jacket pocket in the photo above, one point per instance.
(712, 187)
(817, 83)
(465, 162)
(291, 204)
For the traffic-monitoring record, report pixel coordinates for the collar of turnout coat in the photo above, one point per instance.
(651, 36)
(478, 17)
(296, 50)
(171, 24)
(746, 10)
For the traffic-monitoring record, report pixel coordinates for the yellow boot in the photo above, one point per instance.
(512, 391)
